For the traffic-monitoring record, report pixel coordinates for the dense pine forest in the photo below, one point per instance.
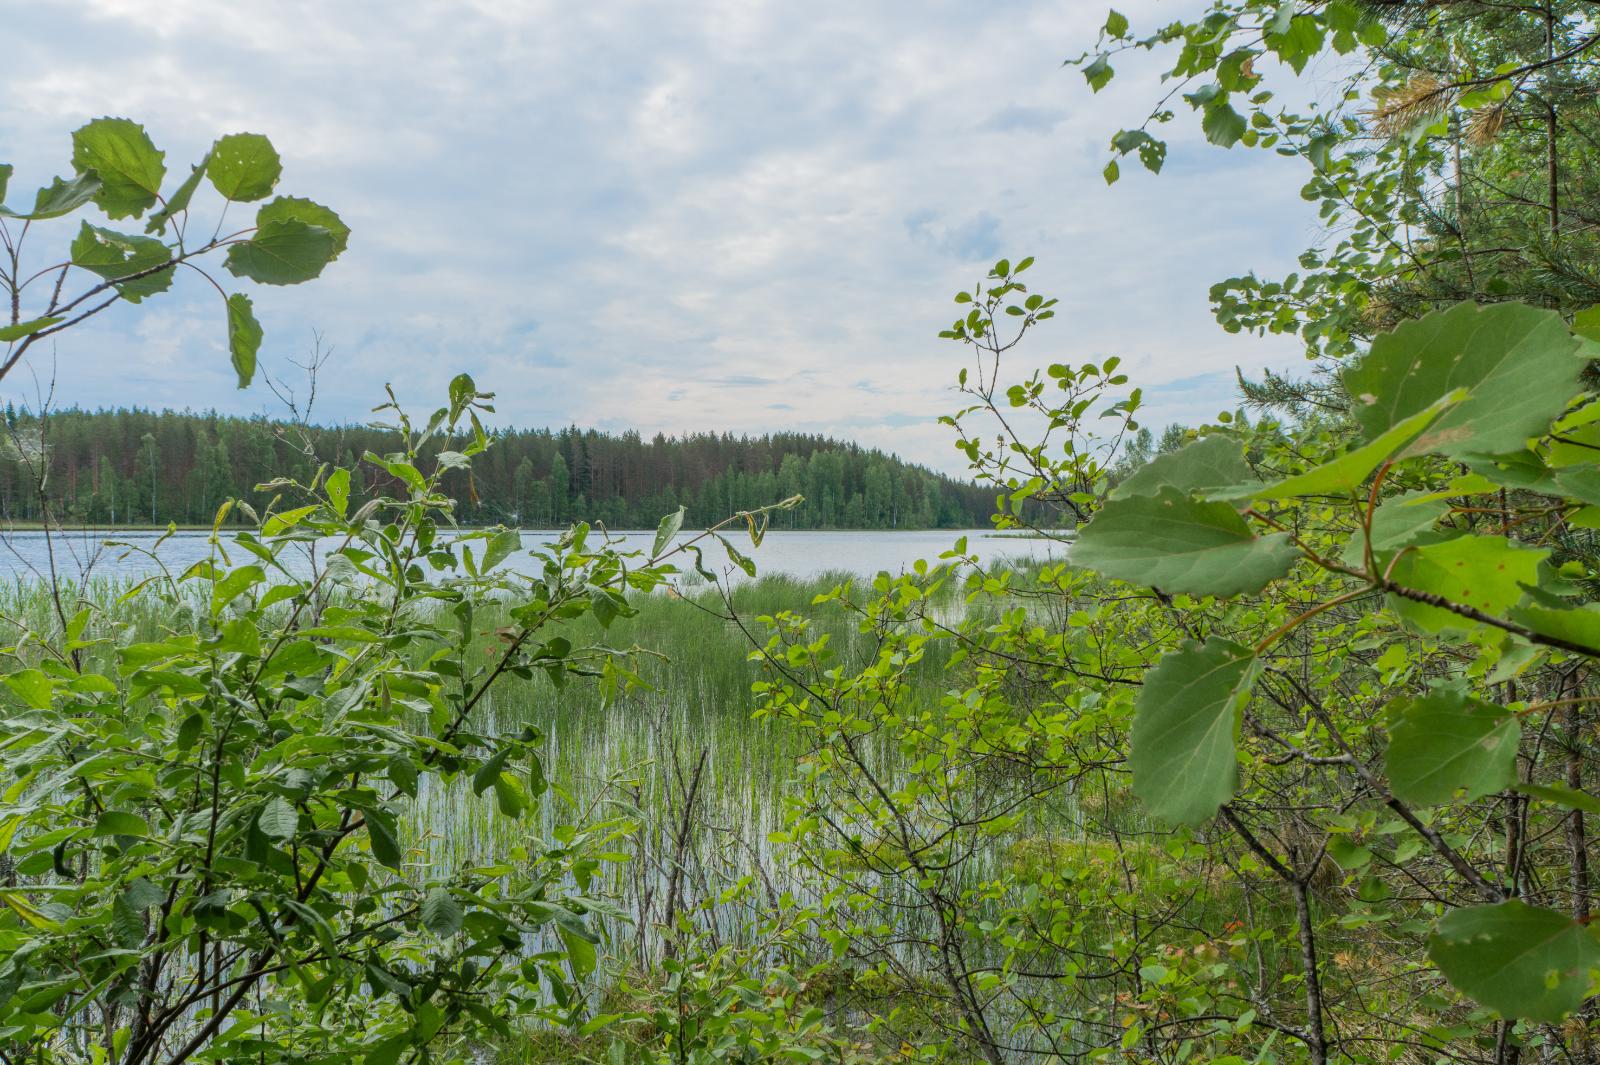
(138, 467)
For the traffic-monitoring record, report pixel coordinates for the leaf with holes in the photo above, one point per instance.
(1517, 365)
(243, 166)
(1522, 961)
(129, 168)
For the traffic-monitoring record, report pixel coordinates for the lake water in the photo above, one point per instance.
(131, 555)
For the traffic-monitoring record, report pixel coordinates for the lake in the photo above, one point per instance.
(132, 555)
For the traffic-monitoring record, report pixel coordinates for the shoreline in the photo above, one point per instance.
(115, 530)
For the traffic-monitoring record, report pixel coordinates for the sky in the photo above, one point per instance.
(722, 215)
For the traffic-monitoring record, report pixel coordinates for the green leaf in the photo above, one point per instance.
(282, 253)
(126, 162)
(6, 171)
(1098, 73)
(9, 333)
(1518, 366)
(580, 952)
(388, 1052)
(1586, 323)
(489, 771)
(178, 201)
(1521, 961)
(502, 545)
(665, 531)
(1483, 572)
(1116, 24)
(1579, 625)
(383, 837)
(282, 521)
(441, 913)
(127, 923)
(295, 209)
(32, 686)
(1446, 745)
(1347, 472)
(399, 469)
(62, 196)
(1400, 521)
(120, 823)
(1210, 462)
(278, 819)
(1185, 723)
(114, 256)
(1222, 124)
(235, 584)
(509, 796)
(382, 980)
(243, 166)
(605, 608)
(1561, 795)
(338, 489)
(244, 337)
(1180, 544)
(1349, 854)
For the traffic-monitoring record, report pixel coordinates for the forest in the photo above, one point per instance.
(1287, 754)
(133, 467)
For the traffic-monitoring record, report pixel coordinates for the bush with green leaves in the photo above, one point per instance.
(1449, 149)
(1471, 470)
(1291, 760)
(118, 170)
(205, 834)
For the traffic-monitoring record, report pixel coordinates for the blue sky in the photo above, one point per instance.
(700, 215)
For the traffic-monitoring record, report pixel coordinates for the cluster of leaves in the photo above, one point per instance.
(1051, 474)
(1306, 706)
(117, 169)
(204, 833)
(1450, 157)
(1469, 387)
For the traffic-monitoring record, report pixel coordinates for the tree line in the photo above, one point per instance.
(141, 467)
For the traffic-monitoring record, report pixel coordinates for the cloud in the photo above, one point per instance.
(1018, 118)
(977, 238)
(715, 215)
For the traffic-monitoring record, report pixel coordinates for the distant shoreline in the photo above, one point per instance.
(114, 530)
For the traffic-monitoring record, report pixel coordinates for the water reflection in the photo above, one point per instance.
(135, 555)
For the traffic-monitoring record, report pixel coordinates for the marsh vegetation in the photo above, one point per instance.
(1283, 750)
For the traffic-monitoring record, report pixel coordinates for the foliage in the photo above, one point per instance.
(205, 833)
(1450, 153)
(1242, 803)
(118, 169)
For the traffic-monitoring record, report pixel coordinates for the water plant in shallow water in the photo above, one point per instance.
(203, 824)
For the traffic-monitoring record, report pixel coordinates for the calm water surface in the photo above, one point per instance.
(796, 554)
